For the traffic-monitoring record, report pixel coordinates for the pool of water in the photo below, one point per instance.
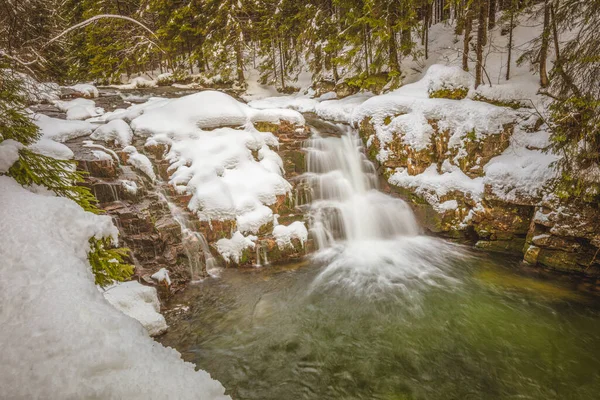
(355, 323)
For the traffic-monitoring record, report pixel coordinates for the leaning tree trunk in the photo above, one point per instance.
(544, 46)
(481, 41)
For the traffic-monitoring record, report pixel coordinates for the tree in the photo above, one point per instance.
(482, 6)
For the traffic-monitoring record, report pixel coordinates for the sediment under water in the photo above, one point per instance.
(384, 312)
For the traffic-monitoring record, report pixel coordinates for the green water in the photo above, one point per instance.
(490, 333)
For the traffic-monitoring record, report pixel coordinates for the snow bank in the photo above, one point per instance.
(285, 234)
(140, 162)
(232, 249)
(79, 108)
(138, 82)
(116, 131)
(61, 130)
(61, 339)
(140, 303)
(9, 154)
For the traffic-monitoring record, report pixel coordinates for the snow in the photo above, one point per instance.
(232, 249)
(50, 148)
(226, 182)
(432, 185)
(129, 186)
(101, 155)
(61, 130)
(206, 110)
(9, 154)
(138, 302)
(299, 102)
(216, 164)
(341, 110)
(441, 77)
(285, 234)
(79, 109)
(60, 338)
(86, 89)
(162, 275)
(140, 162)
(34, 91)
(520, 174)
(116, 131)
(138, 82)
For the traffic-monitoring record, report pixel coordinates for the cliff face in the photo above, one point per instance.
(478, 164)
(492, 186)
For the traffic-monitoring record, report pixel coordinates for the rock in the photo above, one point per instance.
(344, 90)
(321, 87)
(531, 254)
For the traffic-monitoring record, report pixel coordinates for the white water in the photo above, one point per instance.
(370, 241)
(200, 260)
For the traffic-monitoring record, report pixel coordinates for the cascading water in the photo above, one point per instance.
(370, 241)
(200, 259)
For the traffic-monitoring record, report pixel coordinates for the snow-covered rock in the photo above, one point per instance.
(79, 109)
(9, 154)
(138, 302)
(116, 131)
(86, 89)
(285, 234)
(140, 162)
(233, 249)
(61, 130)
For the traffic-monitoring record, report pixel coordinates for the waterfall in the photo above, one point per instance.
(200, 260)
(368, 241)
(346, 203)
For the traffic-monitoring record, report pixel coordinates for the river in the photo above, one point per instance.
(383, 311)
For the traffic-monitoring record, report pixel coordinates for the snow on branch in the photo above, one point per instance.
(101, 16)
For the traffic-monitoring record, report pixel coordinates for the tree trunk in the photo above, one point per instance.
(492, 14)
(481, 41)
(467, 37)
(281, 66)
(510, 41)
(544, 46)
(392, 46)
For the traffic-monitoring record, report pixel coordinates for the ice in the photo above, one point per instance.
(60, 338)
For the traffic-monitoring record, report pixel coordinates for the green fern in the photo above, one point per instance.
(108, 263)
(59, 176)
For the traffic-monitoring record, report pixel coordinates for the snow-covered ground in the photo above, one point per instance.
(61, 339)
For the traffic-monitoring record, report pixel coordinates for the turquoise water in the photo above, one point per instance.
(477, 328)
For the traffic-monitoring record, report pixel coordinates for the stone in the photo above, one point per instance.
(531, 254)
(344, 90)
